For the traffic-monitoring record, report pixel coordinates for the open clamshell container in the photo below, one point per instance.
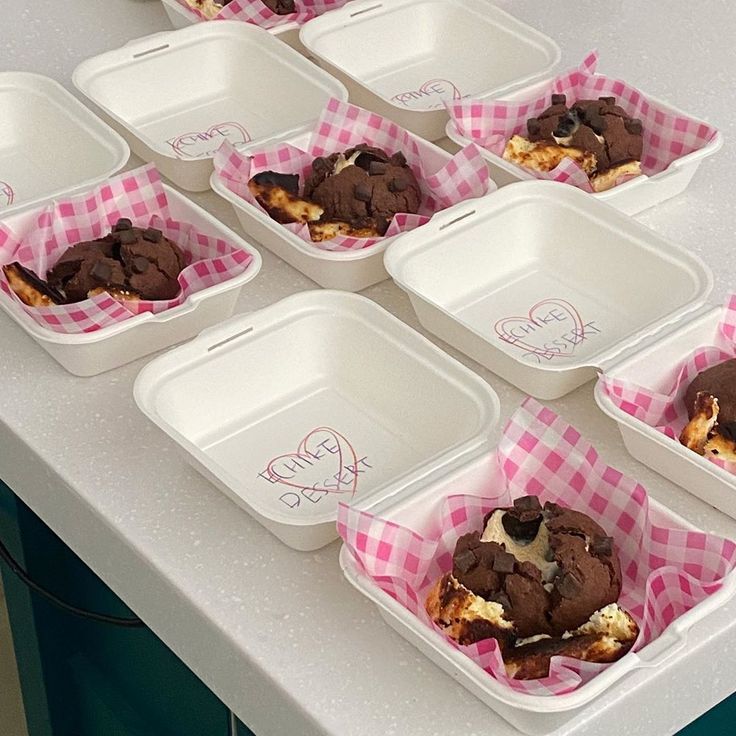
(651, 367)
(544, 285)
(182, 17)
(632, 196)
(91, 353)
(417, 507)
(404, 58)
(176, 96)
(317, 399)
(52, 144)
(348, 270)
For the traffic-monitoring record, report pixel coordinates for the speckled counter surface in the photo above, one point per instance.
(277, 634)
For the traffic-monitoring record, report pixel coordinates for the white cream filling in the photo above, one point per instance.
(535, 551)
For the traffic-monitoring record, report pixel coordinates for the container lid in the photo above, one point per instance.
(52, 144)
(417, 54)
(549, 277)
(182, 93)
(318, 399)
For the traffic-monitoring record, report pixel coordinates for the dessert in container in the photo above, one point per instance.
(98, 334)
(161, 94)
(674, 574)
(638, 386)
(675, 142)
(406, 58)
(52, 144)
(544, 285)
(346, 263)
(313, 400)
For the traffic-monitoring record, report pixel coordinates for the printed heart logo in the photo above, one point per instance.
(546, 321)
(433, 93)
(206, 143)
(323, 454)
(6, 194)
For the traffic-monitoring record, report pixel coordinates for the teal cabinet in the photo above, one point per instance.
(83, 678)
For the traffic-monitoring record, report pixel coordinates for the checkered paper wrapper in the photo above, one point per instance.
(666, 411)
(340, 127)
(666, 572)
(138, 195)
(667, 135)
(254, 11)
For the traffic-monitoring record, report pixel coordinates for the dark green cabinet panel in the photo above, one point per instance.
(83, 678)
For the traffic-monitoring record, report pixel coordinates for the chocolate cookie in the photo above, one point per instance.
(134, 261)
(551, 572)
(354, 194)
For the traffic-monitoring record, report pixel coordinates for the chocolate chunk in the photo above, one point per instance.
(126, 237)
(634, 126)
(382, 224)
(140, 264)
(122, 224)
(465, 560)
(528, 503)
(595, 121)
(320, 164)
(567, 124)
(377, 168)
(533, 126)
(569, 586)
(152, 235)
(522, 530)
(559, 100)
(101, 272)
(503, 562)
(366, 155)
(288, 182)
(728, 430)
(602, 546)
(38, 283)
(608, 100)
(501, 598)
(398, 185)
(398, 159)
(362, 192)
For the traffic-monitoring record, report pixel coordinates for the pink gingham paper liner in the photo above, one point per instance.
(666, 572)
(666, 411)
(341, 126)
(138, 195)
(254, 11)
(667, 136)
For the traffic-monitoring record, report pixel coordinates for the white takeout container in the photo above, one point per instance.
(631, 197)
(176, 96)
(351, 270)
(317, 399)
(570, 283)
(87, 354)
(414, 505)
(653, 367)
(404, 58)
(182, 17)
(52, 143)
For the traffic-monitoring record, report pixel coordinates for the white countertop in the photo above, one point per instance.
(279, 635)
